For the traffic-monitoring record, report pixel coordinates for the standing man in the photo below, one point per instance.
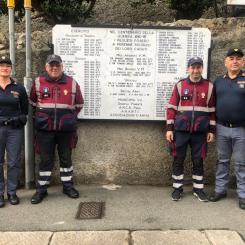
(230, 112)
(190, 121)
(57, 100)
(13, 111)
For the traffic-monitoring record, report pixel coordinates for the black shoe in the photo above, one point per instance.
(242, 203)
(13, 199)
(200, 195)
(217, 196)
(38, 197)
(72, 192)
(177, 194)
(2, 203)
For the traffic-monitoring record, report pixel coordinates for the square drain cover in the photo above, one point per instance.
(90, 210)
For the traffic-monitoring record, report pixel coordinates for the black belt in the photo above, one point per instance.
(4, 123)
(232, 125)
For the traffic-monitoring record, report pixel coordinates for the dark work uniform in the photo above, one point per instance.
(190, 115)
(56, 104)
(13, 111)
(230, 111)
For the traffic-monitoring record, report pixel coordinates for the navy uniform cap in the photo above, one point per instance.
(234, 51)
(5, 60)
(195, 60)
(53, 58)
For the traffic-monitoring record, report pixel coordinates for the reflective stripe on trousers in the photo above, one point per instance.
(47, 142)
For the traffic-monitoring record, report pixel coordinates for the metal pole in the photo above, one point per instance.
(29, 142)
(11, 6)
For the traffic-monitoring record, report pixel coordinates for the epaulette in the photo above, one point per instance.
(14, 80)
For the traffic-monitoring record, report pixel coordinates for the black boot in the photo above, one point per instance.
(2, 203)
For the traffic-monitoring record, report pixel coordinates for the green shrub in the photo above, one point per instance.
(60, 10)
(67, 11)
(191, 9)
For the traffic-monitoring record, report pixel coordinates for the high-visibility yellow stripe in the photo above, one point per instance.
(27, 4)
(11, 4)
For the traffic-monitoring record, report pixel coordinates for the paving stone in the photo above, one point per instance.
(25, 238)
(177, 237)
(91, 238)
(224, 237)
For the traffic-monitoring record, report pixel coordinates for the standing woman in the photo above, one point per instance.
(13, 111)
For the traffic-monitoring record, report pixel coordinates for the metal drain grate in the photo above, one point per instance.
(90, 210)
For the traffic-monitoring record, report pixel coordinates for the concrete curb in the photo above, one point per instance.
(123, 237)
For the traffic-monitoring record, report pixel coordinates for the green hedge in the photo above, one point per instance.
(190, 9)
(60, 10)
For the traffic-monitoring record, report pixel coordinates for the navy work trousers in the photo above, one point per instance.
(11, 140)
(198, 145)
(46, 142)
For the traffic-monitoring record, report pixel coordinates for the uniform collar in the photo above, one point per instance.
(240, 74)
(12, 81)
(61, 80)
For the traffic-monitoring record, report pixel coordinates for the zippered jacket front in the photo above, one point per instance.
(56, 103)
(191, 107)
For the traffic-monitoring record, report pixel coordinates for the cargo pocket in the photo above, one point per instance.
(182, 123)
(201, 124)
(68, 123)
(42, 121)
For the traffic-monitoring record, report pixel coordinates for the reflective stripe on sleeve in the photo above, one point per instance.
(170, 121)
(212, 122)
(170, 106)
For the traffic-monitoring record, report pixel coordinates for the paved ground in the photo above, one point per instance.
(136, 215)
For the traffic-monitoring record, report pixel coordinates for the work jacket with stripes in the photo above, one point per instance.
(191, 107)
(56, 103)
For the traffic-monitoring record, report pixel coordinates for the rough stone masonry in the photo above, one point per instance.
(127, 152)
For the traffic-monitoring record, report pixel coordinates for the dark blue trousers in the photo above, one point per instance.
(10, 141)
(198, 145)
(46, 142)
